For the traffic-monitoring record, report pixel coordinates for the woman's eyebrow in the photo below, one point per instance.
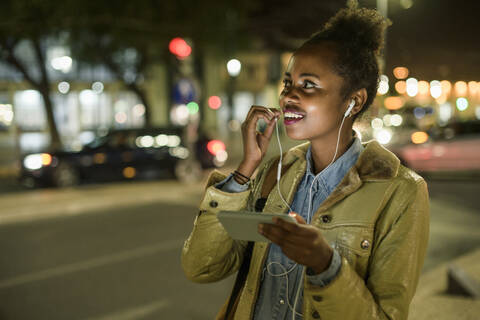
(303, 75)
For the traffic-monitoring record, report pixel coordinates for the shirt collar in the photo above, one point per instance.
(331, 176)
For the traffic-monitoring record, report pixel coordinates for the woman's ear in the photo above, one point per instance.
(360, 97)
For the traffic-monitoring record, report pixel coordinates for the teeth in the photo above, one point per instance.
(292, 115)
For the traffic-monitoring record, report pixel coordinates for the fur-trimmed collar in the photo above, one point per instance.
(374, 163)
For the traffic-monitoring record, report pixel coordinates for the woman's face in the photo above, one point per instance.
(311, 102)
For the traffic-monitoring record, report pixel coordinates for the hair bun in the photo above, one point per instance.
(360, 27)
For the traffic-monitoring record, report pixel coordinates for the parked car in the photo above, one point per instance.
(455, 147)
(124, 155)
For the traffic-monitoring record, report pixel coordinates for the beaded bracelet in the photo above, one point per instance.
(242, 179)
(241, 175)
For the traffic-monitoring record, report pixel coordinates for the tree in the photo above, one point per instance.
(34, 22)
(127, 37)
(131, 36)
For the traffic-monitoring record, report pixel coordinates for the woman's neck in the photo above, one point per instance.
(323, 151)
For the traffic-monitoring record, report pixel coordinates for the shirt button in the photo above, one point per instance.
(315, 315)
(326, 218)
(365, 244)
(213, 204)
(317, 298)
(282, 301)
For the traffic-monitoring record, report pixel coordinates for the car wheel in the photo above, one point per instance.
(188, 171)
(65, 176)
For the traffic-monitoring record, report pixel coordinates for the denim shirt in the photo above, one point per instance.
(281, 276)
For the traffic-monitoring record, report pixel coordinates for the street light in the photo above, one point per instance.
(382, 7)
(233, 67)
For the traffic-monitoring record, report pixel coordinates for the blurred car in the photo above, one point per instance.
(455, 147)
(125, 155)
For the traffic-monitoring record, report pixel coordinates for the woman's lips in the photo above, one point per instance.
(292, 116)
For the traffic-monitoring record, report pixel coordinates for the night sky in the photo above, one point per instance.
(435, 39)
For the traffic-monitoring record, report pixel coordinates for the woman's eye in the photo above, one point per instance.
(287, 83)
(308, 85)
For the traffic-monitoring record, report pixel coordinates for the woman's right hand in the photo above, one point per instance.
(255, 144)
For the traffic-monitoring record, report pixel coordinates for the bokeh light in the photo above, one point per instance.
(129, 172)
(435, 89)
(423, 87)
(446, 87)
(214, 102)
(393, 103)
(383, 136)
(180, 48)
(419, 112)
(97, 87)
(460, 88)
(215, 146)
(462, 104)
(412, 87)
(63, 87)
(377, 123)
(396, 120)
(419, 137)
(400, 72)
(401, 87)
(234, 67)
(192, 107)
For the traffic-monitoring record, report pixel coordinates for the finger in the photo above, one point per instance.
(271, 232)
(292, 227)
(269, 129)
(281, 236)
(301, 229)
(252, 123)
(297, 217)
(275, 111)
(255, 109)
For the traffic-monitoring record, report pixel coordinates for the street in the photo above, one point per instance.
(113, 251)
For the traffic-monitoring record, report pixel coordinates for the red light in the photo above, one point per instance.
(180, 48)
(214, 102)
(215, 146)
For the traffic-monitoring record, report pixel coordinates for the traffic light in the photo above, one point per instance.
(184, 85)
(180, 48)
(214, 102)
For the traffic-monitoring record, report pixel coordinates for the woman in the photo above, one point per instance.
(360, 239)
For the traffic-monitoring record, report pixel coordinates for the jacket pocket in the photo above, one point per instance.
(354, 243)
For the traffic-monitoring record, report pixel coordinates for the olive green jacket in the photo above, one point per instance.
(377, 218)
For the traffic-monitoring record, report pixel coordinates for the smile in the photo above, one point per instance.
(292, 116)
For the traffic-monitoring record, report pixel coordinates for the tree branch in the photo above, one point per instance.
(41, 63)
(13, 61)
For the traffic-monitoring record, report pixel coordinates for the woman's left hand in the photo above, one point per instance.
(300, 242)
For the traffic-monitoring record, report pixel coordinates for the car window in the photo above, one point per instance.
(97, 142)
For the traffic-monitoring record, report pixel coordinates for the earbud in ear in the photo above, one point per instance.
(350, 107)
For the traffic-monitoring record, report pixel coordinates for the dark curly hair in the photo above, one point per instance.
(357, 34)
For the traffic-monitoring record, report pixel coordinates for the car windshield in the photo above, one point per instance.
(97, 142)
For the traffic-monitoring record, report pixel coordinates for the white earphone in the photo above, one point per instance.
(309, 213)
(350, 107)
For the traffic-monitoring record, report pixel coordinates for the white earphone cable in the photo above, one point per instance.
(309, 217)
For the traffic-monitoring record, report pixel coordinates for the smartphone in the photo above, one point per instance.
(243, 225)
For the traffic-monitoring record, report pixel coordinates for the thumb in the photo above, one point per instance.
(297, 217)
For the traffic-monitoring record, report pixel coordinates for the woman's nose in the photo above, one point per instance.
(290, 94)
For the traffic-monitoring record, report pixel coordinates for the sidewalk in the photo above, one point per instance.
(39, 204)
(431, 300)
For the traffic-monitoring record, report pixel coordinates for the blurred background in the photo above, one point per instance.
(112, 114)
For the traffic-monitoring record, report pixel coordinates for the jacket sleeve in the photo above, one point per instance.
(393, 272)
(210, 254)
